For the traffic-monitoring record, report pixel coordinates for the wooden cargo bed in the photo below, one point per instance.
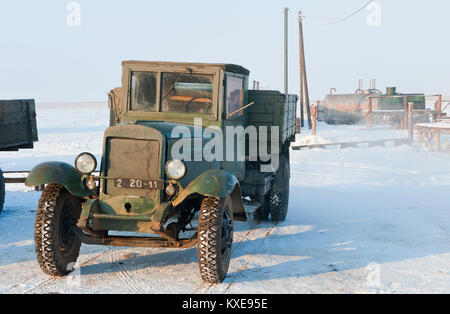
(273, 108)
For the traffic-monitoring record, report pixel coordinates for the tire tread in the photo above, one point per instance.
(45, 232)
(208, 255)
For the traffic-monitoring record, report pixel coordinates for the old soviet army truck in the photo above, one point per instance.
(144, 189)
(18, 130)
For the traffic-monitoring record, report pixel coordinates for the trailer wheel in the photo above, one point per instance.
(57, 247)
(2, 190)
(279, 195)
(215, 238)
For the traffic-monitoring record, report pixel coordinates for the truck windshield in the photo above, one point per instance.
(186, 92)
(143, 91)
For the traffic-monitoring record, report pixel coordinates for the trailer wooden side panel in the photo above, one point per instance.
(18, 128)
(273, 108)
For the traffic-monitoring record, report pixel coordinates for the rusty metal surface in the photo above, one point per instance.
(343, 108)
(350, 108)
(348, 102)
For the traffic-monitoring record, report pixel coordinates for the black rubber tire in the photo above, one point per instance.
(279, 195)
(215, 238)
(57, 248)
(2, 190)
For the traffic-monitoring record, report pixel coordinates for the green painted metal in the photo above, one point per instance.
(272, 108)
(210, 183)
(136, 206)
(59, 173)
(110, 215)
(391, 91)
(397, 103)
(125, 156)
(218, 178)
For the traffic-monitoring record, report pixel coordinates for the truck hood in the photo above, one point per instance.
(166, 129)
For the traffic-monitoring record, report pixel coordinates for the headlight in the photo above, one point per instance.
(175, 169)
(86, 163)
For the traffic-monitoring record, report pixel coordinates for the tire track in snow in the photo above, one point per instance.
(42, 284)
(209, 288)
(124, 274)
(244, 265)
(135, 283)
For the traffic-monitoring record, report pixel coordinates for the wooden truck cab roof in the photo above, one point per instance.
(234, 68)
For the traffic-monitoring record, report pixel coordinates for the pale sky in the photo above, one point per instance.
(42, 57)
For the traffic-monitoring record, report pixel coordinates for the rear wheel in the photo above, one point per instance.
(2, 190)
(215, 238)
(279, 195)
(57, 247)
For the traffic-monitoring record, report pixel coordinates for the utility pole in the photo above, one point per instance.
(302, 99)
(303, 74)
(286, 51)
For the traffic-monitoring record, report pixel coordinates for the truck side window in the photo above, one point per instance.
(143, 91)
(235, 95)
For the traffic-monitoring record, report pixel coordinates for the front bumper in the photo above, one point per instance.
(132, 214)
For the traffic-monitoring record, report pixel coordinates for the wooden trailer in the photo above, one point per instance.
(18, 130)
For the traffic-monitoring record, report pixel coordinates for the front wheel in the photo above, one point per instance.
(57, 247)
(215, 238)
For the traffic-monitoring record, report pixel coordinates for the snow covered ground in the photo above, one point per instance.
(360, 221)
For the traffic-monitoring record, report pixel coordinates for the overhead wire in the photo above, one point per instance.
(314, 21)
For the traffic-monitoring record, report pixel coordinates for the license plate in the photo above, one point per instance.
(139, 184)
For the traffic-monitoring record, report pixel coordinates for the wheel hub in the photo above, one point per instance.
(226, 239)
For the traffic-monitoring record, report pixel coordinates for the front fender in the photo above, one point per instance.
(215, 183)
(58, 173)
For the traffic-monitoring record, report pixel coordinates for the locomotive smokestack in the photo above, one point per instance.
(373, 83)
(360, 84)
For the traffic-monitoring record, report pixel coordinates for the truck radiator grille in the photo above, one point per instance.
(131, 159)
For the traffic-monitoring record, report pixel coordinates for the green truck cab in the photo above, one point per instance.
(189, 151)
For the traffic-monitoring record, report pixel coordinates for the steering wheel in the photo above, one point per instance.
(195, 98)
